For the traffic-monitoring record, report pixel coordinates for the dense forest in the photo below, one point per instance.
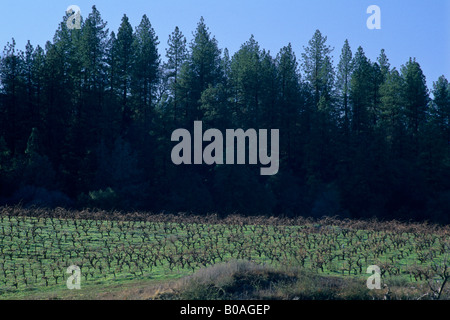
(87, 122)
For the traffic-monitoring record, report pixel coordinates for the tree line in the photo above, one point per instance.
(87, 122)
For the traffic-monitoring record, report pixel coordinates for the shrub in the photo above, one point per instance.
(237, 280)
(105, 199)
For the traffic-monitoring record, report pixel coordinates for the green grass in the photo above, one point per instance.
(116, 251)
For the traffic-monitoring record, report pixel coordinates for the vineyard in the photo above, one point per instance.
(37, 246)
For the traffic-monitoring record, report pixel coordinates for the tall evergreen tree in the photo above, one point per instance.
(384, 64)
(267, 114)
(145, 68)
(360, 91)
(176, 55)
(319, 150)
(317, 66)
(112, 112)
(38, 81)
(93, 44)
(202, 70)
(344, 72)
(392, 116)
(288, 110)
(415, 94)
(435, 139)
(12, 81)
(28, 77)
(245, 79)
(124, 57)
(441, 101)
(205, 57)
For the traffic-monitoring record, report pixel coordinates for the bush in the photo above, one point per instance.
(105, 199)
(237, 280)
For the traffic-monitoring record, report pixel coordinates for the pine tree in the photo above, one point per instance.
(344, 72)
(360, 92)
(226, 66)
(205, 57)
(288, 110)
(319, 147)
(11, 70)
(38, 81)
(111, 64)
(440, 116)
(62, 85)
(28, 77)
(124, 57)
(317, 66)
(384, 64)
(93, 45)
(441, 101)
(245, 79)
(267, 115)
(434, 158)
(145, 68)
(376, 79)
(201, 71)
(63, 106)
(111, 123)
(415, 95)
(176, 54)
(392, 116)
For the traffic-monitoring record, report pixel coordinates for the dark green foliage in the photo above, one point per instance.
(124, 58)
(201, 70)
(416, 95)
(176, 56)
(107, 198)
(145, 69)
(318, 68)
(344, 72)
(90, 116)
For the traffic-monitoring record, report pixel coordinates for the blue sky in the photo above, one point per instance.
(415, 28)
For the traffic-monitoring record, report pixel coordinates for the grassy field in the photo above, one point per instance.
(143, 256)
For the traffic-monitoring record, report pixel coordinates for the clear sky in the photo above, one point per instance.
(414, 28)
